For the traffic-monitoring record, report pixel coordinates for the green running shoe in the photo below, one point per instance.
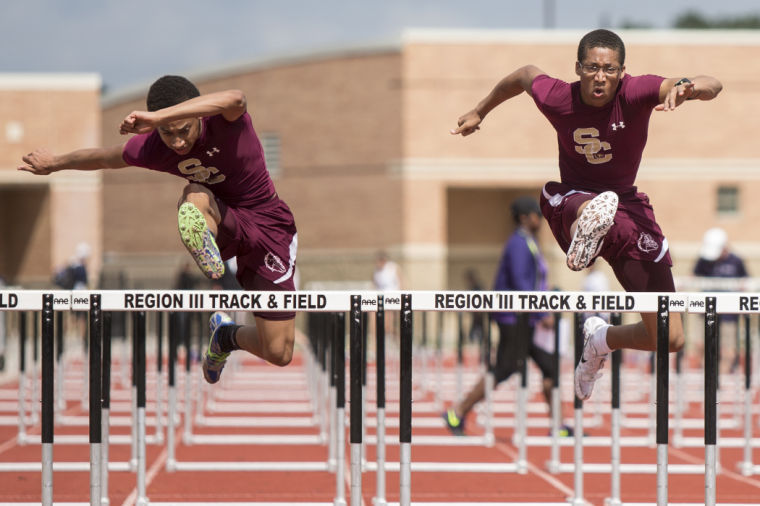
(453, 422)
(199, 240)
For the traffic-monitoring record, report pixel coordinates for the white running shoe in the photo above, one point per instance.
(593, 224)
(587, 370)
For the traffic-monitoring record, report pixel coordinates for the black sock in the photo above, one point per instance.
(227, 341)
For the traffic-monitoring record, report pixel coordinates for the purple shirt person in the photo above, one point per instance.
(595, 210)
(228, 208)
(521, 268)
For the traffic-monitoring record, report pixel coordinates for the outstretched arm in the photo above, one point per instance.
(515, 83)
(42, 162)
(231, 104)
(673, 94)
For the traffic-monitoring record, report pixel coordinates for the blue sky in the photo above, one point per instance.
(132, 42)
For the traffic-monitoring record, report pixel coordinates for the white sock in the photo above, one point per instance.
(600, 340)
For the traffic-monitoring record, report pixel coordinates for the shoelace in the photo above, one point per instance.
(216, 358)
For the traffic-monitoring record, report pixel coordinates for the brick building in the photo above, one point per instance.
(358, 144)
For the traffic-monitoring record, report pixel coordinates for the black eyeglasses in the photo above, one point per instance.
(592, 70)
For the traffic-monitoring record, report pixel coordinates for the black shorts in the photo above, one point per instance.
(508, 358)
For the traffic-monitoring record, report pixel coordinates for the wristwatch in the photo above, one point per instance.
(683, 80)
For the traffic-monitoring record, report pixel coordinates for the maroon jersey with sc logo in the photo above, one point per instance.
(600, 148)
(227, 158)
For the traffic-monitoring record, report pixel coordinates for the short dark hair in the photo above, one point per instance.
(524, 206)
(601, 38)
(170, 90)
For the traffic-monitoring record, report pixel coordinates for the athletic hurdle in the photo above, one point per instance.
(639, 302)
(434, 301)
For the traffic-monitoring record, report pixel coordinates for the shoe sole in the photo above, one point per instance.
(595, 221)
(199, 241)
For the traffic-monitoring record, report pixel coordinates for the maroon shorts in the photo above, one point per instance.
(264, 240)
(634, 235)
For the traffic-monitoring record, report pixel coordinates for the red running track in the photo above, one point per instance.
(256, 391)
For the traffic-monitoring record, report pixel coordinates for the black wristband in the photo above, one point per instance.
(683, 80)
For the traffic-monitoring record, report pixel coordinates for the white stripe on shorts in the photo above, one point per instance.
(556, 199)
(292, 254)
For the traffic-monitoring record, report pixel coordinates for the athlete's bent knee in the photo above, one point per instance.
(195, 193)
(280, 351)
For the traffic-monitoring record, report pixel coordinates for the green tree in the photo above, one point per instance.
(695, 20)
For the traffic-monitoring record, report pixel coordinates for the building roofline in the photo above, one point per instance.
(532, 36)
(448, 36)
(200, 76)
(46, 81)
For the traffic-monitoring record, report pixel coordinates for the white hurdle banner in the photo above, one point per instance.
(333, 301)
(142, 301)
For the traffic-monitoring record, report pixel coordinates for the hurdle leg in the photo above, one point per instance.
(325, 331)
(159, 377)
(21, 378)
(187, 435)
(521, 427)
(488, 384)
(364, 330)
(59, 365)
(86, 371)
(105, 405)
(339, 341)
(405, 398)
(171, 409)
(460, 359)
(553, 464)
(355, 383)
(438, 401)
(139, 321)
(746, 466)
(663, 330)
(96, 433)
(711, 401)
(614, 499)
(577, 499)
(48, 401)
(35, 355)
(379, 499)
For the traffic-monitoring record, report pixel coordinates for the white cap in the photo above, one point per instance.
(83, 251)
(713, 243)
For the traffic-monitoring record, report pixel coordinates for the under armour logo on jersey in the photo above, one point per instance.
(615, 126)
(213, 150)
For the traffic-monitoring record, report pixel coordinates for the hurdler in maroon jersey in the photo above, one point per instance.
(601, 122)
(228, 208)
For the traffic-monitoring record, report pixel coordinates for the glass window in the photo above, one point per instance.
(728, 200)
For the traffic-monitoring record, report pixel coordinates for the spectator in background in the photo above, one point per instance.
(717, 261)
(387, 275)
(715, 258)
(74, 277)
(522, 268)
